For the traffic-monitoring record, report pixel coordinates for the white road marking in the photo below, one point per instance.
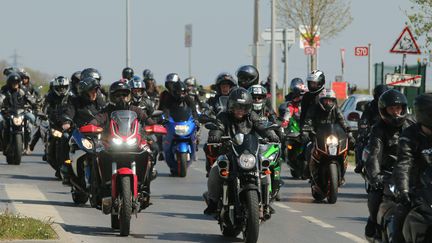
(25, 192)
(350, 236)
(281, 205)
(318, 222)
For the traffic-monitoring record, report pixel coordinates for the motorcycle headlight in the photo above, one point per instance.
(56, 133)
(332, 140)
(117, 141)
(17, 120)
(86, 143)
(181, 130)
(332, 143)
(131, 141)
(247, 161)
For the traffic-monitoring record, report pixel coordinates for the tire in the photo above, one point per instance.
(333, 183)
(18, 149)
(125, 211)
(295, 174)
(79, 198)
(251, 232)
(182, 164)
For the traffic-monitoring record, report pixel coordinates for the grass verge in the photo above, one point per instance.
(17, 227)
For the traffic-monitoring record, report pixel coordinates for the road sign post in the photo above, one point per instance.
(362, 51)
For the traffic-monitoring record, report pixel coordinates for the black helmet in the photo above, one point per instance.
(239, 98)
(315, 81)
(179, 90)
(127, 73)
(423, 109)
(393, 97)
(91, 73)
(75, 79)
(13, 78)
(297, 87)
(119, 94)
(191, 81)
(247, 76)
(9, 70)
(86, 85)
(224, 78)
(379, 90)
(24, 75)
(170, 80)
(60, 85)
(259, 95)
(327, 100)
(137, 88)
(147, 74)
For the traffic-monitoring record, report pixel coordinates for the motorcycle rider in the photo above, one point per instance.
(27, 85)
(315, 83)
(414, 158)
(14, 97)
(382, 154)
(127, 74)
(94, 73)
(152, 89)
(292, 102)
(223, 85)
(79, 111)
(247, 76)
(369, 117)
(139, 95)
(53, 108)
(325, 112)
(120, 99)
(238, 117)
(191, 85)
(75, 79)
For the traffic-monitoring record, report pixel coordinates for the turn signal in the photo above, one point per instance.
(224, 172)
(68, 161)
(267, 172)
(289, 146)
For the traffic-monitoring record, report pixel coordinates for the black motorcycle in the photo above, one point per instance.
(329, 152)
(239, 206)
(15, 145)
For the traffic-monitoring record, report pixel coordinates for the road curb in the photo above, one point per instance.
(63, 236)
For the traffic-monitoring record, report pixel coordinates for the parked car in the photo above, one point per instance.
(353, 107)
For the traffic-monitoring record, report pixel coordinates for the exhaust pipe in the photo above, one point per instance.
(106, 205)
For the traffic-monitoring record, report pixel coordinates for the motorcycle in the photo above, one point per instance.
(82, 163)
(44, 127)
(126, 179)
(239, 206)
(17, 129)
(179, 144)
(293, 148)
(270, 175)
(329, 152)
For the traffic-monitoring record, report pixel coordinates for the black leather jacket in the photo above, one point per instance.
(81, 111)
(317, 116)
(414, 156)
(249, 124)
(369, 117)
(382, 148)
(52, 106)
(145, 104)
(16, 99)
(309, 100)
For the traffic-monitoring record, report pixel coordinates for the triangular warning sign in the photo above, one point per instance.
(406, 43)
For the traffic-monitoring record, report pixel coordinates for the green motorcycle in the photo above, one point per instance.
(293, 147)
(270, 175)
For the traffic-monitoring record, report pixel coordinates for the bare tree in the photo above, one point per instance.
(328, 17)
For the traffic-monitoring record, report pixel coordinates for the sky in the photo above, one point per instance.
(59, 37)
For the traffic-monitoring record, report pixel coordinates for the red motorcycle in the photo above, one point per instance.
(124, 168)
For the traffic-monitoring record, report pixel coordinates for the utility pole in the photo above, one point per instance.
(255, 52)
(128, 60)
(273, 54)
(369, 69)
(15, 58)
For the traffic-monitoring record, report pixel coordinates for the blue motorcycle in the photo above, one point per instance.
(180, 143)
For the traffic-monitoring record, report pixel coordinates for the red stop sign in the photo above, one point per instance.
(361, 51)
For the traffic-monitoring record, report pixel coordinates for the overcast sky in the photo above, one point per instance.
(60, 37)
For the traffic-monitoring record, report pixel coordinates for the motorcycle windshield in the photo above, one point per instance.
(181, 114)
(250, 143)
(325, 130)
(294, 126)
(124, 121)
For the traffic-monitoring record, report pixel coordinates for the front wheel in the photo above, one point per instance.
(182, 160)
(15, 150)
(125, 206)
(251, 231)
(332, 183)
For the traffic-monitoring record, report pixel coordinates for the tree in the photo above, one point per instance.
(420, 18)
(330, 16)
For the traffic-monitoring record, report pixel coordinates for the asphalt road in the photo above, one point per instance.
(176, 214)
